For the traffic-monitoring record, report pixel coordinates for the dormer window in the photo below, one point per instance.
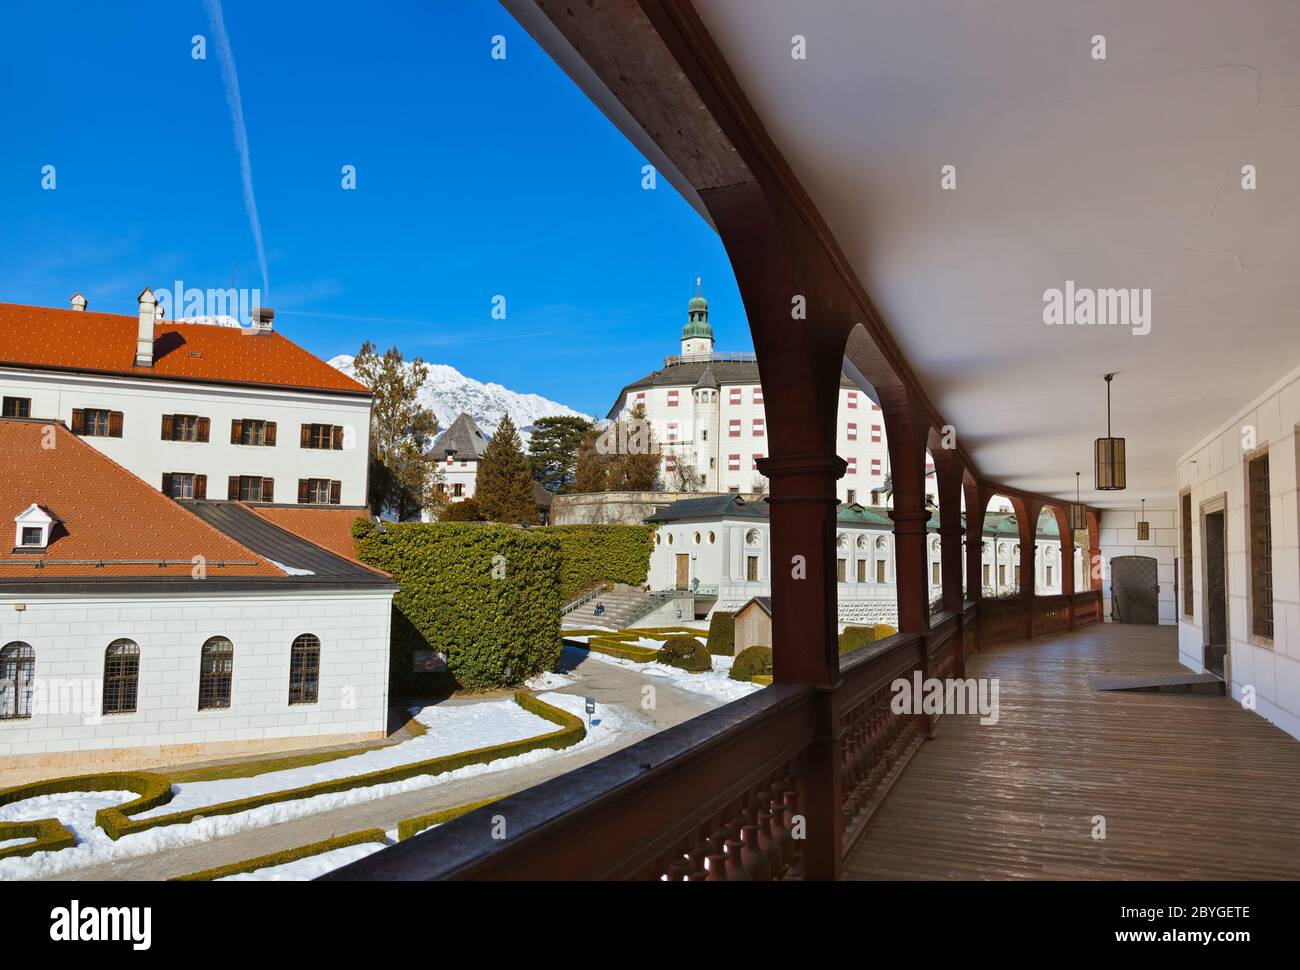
(32, 528)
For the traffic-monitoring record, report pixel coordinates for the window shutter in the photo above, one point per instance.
(304, 491)
(338, 438)
(233, 493)
(205, 429)
(305, 442)
(168, 427)
(270, 433)
(115, 424)
(268, 490)
(200, 486)
(236, 431)
(78, 421)
(167, 484)
(336, 493)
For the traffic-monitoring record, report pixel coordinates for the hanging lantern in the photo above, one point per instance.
(1078, 513)
(1144, 527)
(1108, 466)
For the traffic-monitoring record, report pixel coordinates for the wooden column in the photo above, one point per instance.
(1067, 550)
(977, 501)
(1027, 520)
(906, 429)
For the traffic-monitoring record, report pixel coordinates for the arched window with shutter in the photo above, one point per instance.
(17, 679)
(216, 670)
(304, 670)
(121, 677)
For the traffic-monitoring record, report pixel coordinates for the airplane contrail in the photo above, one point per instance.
(231, 79)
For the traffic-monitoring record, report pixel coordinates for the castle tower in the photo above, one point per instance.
(704, 395)
(697, 335)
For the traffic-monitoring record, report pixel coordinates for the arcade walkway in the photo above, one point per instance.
(1191, 787)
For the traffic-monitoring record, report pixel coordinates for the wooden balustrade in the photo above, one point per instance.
(1051, 614)
(1001, 621)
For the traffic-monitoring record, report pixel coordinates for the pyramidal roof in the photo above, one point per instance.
(463, 440)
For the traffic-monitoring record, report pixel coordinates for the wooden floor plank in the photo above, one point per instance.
(1191, 787)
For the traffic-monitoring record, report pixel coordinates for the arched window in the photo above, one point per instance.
(304, 670)
(121, 676)
(17, 679)
(216, 667)
(752, 537)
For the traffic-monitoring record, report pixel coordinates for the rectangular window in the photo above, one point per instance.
(1002, 574)
(32, 535)
(853, 496)
(734, 396)
(733, 463)
(751, 569)
(1189, 598)
(96, 423)
(852, 432)
(880, 570)
(1017, 576)
(458, 489)
(18, 407)
(935, 574)
(185, 427)
(733, 428)
(841, 570)
(875, 432)
(760, 427)
(640, 397)
(182, 485)
(758, 395)
(875, 407)
(986, 574)
(852, 402)
(862, 570)
(1048, 570)
(852, 465)
(1261, 547)
(251, 488)
(672, 399)
(875, 466)
(672, 430)
(322, 436)
(319, 491)
(252, 431)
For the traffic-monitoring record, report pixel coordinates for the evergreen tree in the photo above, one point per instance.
(503, 487)
(592, 469)
(402, 482)
(553, 450)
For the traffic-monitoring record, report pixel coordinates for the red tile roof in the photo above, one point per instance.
(329, 528)
(105, 514)
(73, 340)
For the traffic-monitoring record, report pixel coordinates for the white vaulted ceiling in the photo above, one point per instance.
(1117, 173)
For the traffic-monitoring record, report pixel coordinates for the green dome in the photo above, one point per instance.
(697, 319)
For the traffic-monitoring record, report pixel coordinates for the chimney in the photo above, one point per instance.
(263, 318)
(144, 332)
(79, 301)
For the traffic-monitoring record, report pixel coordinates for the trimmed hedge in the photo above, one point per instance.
(620, 553)
(116, 820)
(285, 856)
(855, 637)
(487, 596)
(619, 648)
(752, 663)
(152, 790)
(722, 633)
(408, 827)
(685, 653)
(623, 643)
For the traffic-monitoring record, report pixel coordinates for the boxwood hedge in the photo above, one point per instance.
(620, 553)
(486, 596)
(286, 856)
(722, 633)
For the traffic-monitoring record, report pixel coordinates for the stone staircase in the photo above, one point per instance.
(620, 603)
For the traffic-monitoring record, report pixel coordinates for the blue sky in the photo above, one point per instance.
(475, 177)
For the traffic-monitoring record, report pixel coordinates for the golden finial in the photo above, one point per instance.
(697, 285)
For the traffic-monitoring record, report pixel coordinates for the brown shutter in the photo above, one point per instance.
(305, 442)
(233, 493)
(78, 421)
(338, 438)
(304, 491)
(168, 427)
(236, 431)
(167, 484)
(205, 428)
(268, 490)
(115, 424)
(336, 493)
(270, 433)
(200, 486)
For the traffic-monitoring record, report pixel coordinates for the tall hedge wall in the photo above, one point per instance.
(488, 596)
(588, 553)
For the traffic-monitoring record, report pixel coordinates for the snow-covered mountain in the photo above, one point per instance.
(449, 392)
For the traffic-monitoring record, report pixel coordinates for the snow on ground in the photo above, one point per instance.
(715, 683)
(10, 843)
(452, 728)
(95, 847)
(548, 680)
(301, 870)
